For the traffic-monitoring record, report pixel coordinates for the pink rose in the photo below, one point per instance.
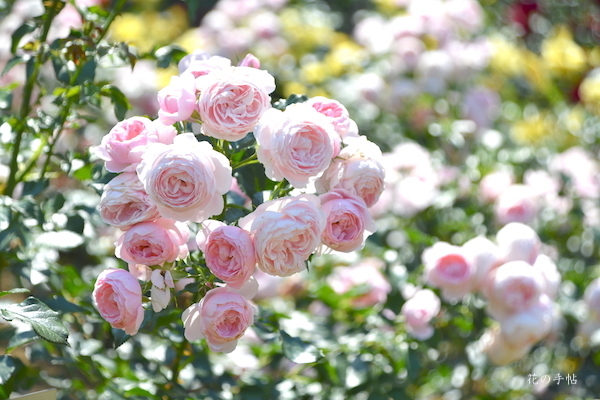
(418, 311)
(493, 184)
(200, 64)
(552, 277)
(485, 255)
(286, 232)
(518, 242)
(296, 144)
(123, 146)
(124, 202)
(177, 100)
(357, 168)
(221, 317)
(499, 351)
(228, 251)
(517, 203)
(529, 326)
(348, 221)
(513, 287)
(366, 275)
(186, 180)
(118, 297)
(153, 243)
(337, 114)
(233, 100)
(250, 61)
(449, 268)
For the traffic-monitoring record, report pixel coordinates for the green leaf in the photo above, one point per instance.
(87, 72)
(7, 368)
(298, 351)
(119, 337)
(21, 31)
(44, 321)
(11, 63)
(5, 99)
(15, 290)
(167, 55)
(118, 99)
(22, 338)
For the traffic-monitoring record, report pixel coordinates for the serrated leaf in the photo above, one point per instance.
(22, 338)
(298, 351)
(13, 291)
(44, 321)
(119, 337)
(7, 368)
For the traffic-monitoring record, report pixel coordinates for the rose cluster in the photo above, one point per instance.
(516, 279)
(171, 182)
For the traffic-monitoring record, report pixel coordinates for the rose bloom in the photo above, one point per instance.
(186, 180)
(549, 271)
(124, 202)
(518, 203)
(160, 292)
(177, 100)
(366, 275)
(418, 311)
(221, 317)
(485, 255)
(493, 184)
(296, 144)
(449, 268)
(529, 326)
(518, 242)
(348, 221)
(118, 297)
(201, 63)
(513, 287)
(357, 168)
(229, 252)
(499, 351)
(233, 100)
(153, 243)
(286, 232)
(337, 114)
(123, 146)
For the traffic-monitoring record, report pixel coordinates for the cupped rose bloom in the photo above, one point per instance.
(233, 100)
(357, 168)
(518, 203)
(449, 268)
(229, 252)
(513, 287)
(186, 180)
(221, 317)
(250, 61)
(367, 276)
(153, 243)
(485, 255)
(200, 64)
(160, 293)
(122, 148)
(124, 202)
(297, 144)
(549, 271)
(591, 298)
(529, 326)
(286, 232)
(337, 114)
(177, 100)
(118, 297)
(499, 351)
(518, 242)
(418, 311)
(348, 222)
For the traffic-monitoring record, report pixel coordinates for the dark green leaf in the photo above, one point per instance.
(22, 338)
(7, 368)
(167, 55)
(44, 321)
(87, 72)
(5, 99)
(17, 35)
(15, 290)
(33, 188)
(11, 63)
(298, 351)
(118, 99)
(119, 337)
(62, 305)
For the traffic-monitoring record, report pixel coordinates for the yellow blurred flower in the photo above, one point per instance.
(163, 75)
(306, 29)
(589, 90)
(190, 41)
(290, 88)
(562, 54)
(344, 56)
(535, 71)
(314, 72)
(386, 7)
(533, 130)
(506, 57)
